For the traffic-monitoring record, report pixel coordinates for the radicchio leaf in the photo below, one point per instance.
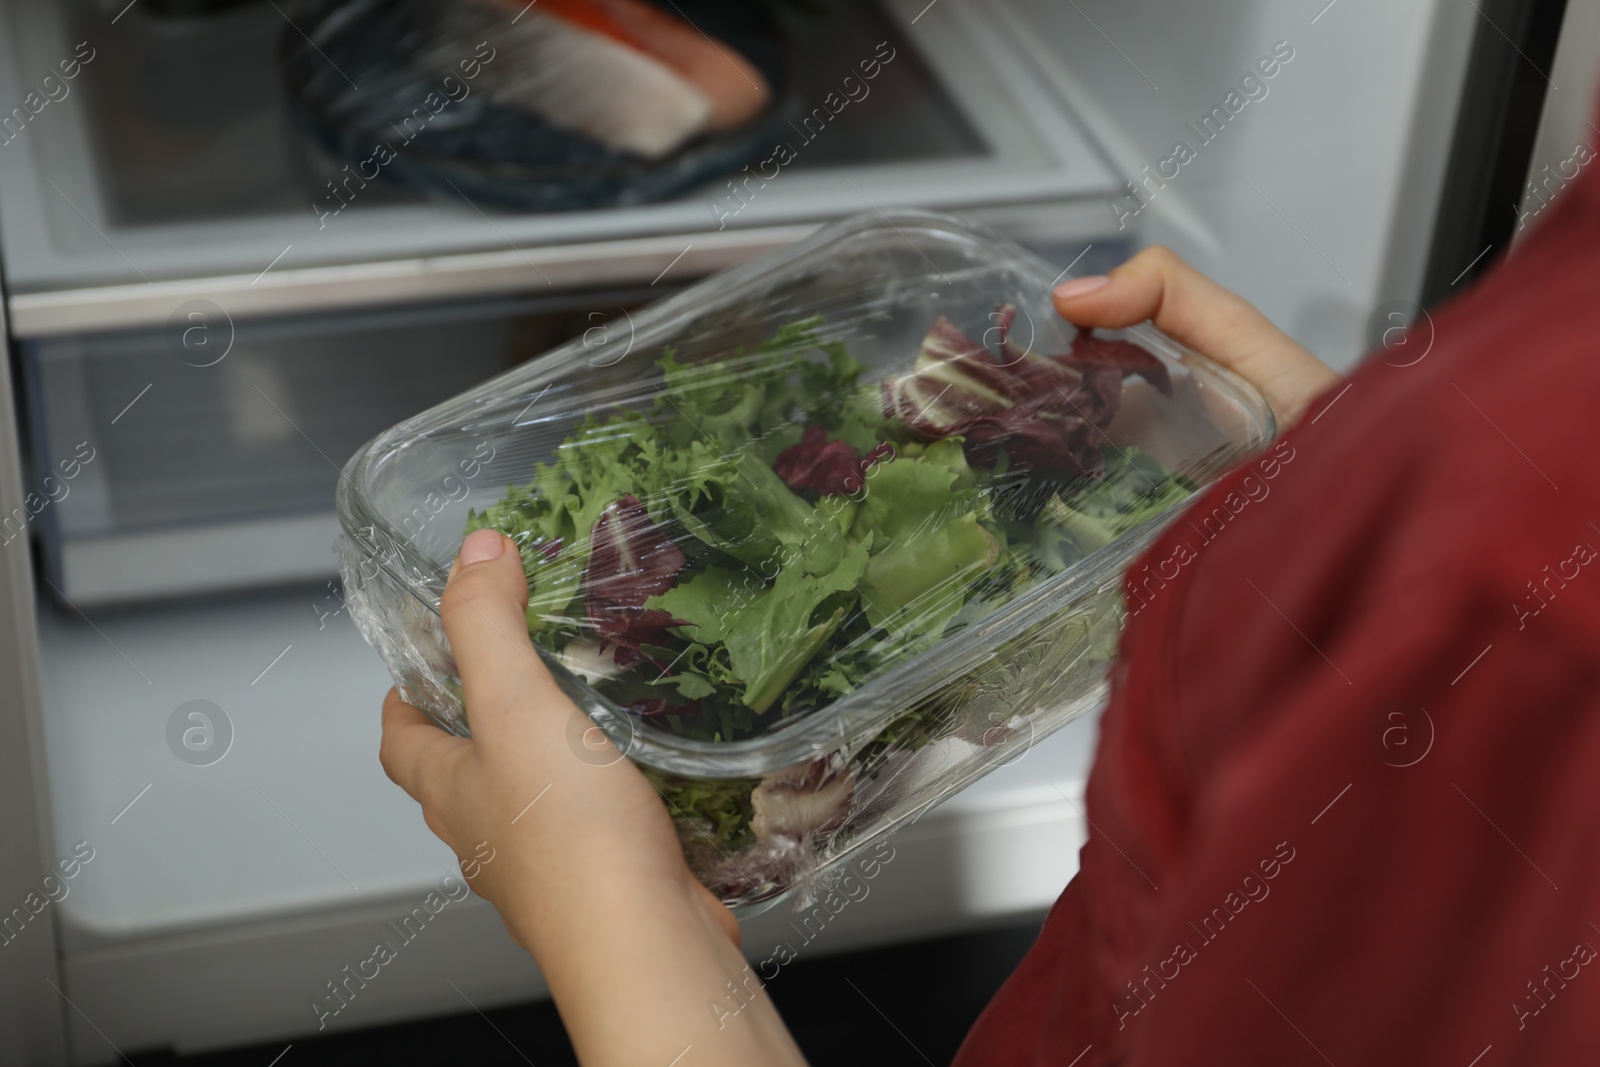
(1123, 356)
(982, 382)
(655, 707)
(1011, 353)
(826, 467)
(1097, 397)
(1045, 411)
(1036, 438)
(1031, 374)
(630, 560)
(954, 379)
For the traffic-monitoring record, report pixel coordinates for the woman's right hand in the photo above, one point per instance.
(1182, 302)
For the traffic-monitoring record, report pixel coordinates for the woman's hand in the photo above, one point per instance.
(1157, 285)
(586, 869)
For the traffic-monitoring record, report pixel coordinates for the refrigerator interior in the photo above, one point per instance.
(225, 896)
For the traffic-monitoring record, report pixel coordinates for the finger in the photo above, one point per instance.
(1159, 286)
(483, 611)
(412, 745)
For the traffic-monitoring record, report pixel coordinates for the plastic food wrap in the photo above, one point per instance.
(817, 542)
(545, 107)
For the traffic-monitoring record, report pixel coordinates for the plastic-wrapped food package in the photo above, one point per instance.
(817, 542)
(550, 106)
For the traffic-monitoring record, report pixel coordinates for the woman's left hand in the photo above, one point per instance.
(570, 843)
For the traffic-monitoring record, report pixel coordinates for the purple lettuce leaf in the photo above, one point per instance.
(1035, 438)
(1046, 412)
(631, 559)
(656, 707)
(826, 467)
(1125, 357)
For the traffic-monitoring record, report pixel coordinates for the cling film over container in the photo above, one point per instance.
(843, 530)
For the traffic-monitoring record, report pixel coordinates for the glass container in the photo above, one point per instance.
(816, 542)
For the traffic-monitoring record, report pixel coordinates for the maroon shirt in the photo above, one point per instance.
(1346, 804)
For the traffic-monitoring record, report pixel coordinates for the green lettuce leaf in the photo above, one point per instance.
(768, 630)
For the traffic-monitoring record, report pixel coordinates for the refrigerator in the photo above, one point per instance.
(198, 336)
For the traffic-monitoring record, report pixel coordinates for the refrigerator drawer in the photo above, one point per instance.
(204, 456)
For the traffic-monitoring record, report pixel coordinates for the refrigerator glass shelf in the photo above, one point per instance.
(172, 156)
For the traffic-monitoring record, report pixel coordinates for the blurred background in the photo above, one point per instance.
(240, 237)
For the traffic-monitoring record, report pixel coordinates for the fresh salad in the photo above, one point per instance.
(770, 531)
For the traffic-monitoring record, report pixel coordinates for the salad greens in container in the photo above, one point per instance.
(817, 542)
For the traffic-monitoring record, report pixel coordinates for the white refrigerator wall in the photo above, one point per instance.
(1316, 200)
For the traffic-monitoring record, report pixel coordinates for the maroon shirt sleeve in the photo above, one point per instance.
(1344, 804)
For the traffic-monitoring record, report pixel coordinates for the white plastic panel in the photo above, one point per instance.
(296, 815)
(181, 562)
(1316, 201)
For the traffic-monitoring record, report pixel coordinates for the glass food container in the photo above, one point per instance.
(817, 542)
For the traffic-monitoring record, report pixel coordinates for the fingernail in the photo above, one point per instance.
(481, 545)
(1081, 286)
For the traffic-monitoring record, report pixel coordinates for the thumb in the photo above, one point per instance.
(1183, 303)
(483, 611)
